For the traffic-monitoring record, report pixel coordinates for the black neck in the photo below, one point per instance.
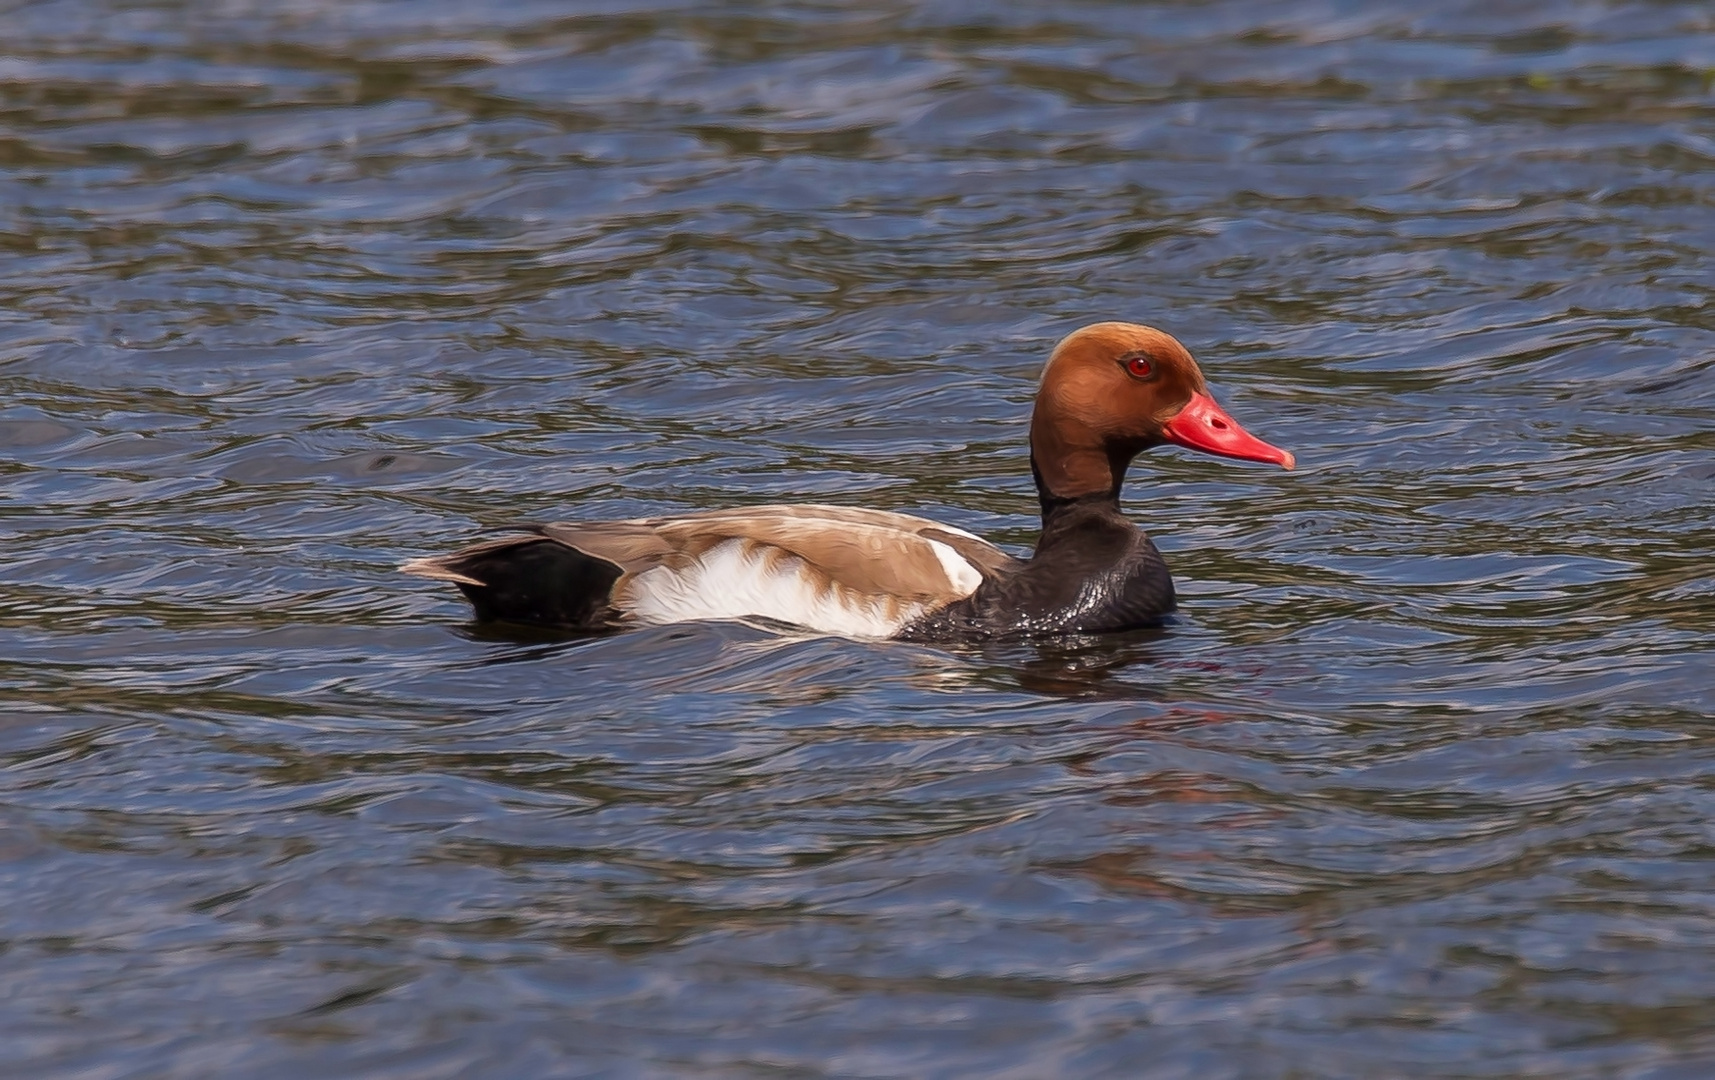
(1057, 506)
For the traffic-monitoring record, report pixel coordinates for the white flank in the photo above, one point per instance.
(963, 575)
(729, 582)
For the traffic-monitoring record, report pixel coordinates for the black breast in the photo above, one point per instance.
(1093, 572)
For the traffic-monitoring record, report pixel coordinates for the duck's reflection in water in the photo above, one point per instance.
(1078, 667)
(771, 657)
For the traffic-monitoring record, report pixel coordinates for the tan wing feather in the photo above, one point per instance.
(633, 546)
(869, 559)
(977, 551)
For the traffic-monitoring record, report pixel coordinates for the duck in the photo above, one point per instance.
(1108, 392)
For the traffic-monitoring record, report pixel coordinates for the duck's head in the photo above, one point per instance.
(1114, 389)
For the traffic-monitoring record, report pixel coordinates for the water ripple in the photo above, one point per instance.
(1416, 783)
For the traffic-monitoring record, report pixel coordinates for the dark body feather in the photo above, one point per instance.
(1093, 572)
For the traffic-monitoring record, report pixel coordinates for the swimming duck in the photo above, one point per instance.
(1108, 392)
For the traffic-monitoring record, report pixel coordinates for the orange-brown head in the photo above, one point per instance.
(1113, 389)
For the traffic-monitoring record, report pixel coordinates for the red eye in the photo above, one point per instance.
(1139, 366)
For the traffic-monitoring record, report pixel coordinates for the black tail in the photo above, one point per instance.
(530, 581)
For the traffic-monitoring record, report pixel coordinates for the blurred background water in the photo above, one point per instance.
(1420, 783)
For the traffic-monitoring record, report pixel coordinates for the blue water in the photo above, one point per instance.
(1421, 782)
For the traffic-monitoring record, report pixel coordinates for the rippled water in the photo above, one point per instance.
(1420, 783)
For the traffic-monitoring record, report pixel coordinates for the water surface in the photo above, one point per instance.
(1420, 783)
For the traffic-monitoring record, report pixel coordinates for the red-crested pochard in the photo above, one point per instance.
(1109, 391)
